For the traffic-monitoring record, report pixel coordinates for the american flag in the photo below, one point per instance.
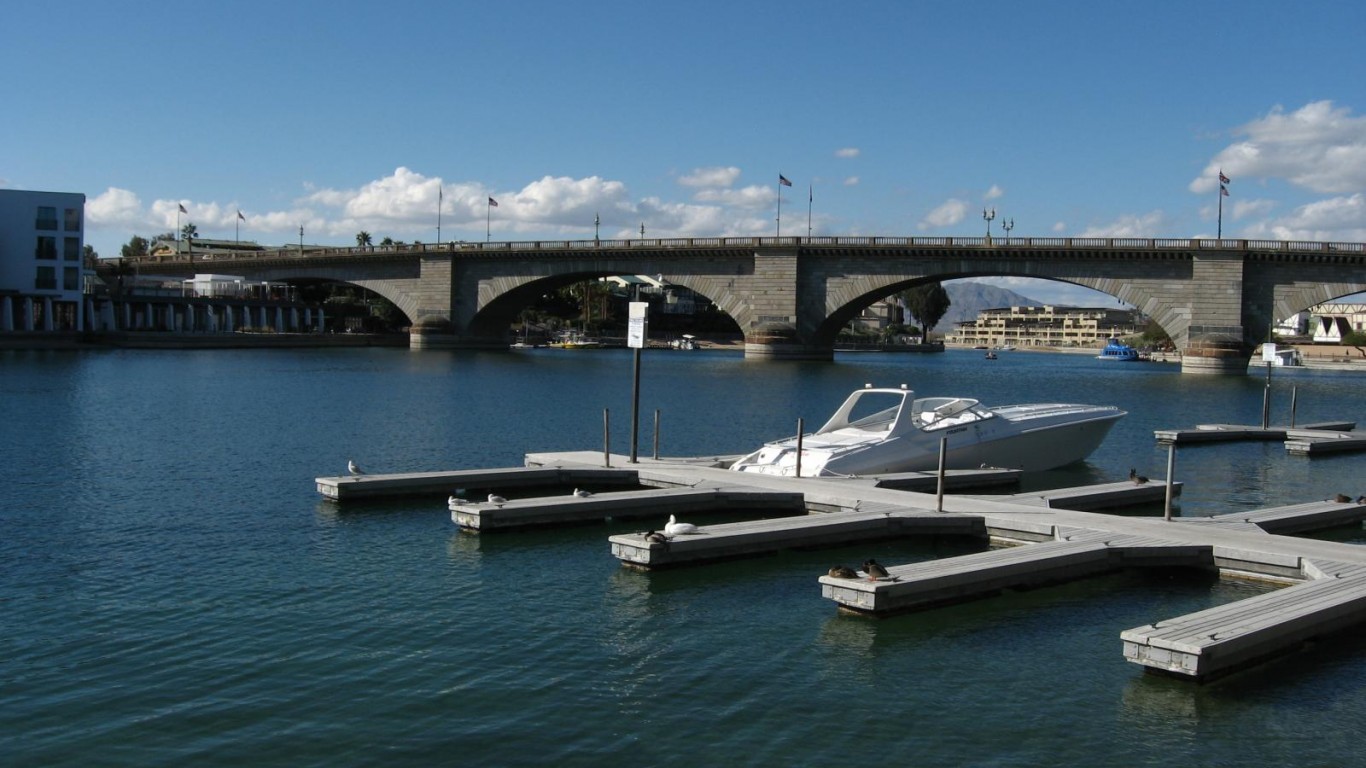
(182, 208)
(1223, 190)
(1222, 178)
(493, 203)
(783, 180)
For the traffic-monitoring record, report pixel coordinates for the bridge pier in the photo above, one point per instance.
(780, 342)
(1217, 352)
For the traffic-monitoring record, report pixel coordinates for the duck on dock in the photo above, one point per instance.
(454, 501)
(675, 528)
(655, 537)
(1343, 498)
(1137, 478)
(582, 494)
(875, 570)
(843, 572)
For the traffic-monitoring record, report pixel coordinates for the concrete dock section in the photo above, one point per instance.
(442, 484)
(658, 504)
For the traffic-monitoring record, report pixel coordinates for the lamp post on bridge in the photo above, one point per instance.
(988, 216)
(596, 221)
(301, 239)
(1007, 226)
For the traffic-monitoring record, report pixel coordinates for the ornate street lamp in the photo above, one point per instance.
(1007, 226)
(988, 216)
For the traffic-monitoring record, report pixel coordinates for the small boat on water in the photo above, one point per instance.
(1118, 350)
(882, 430)
(991, 355)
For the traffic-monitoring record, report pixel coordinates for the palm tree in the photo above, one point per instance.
(363, 239)
(189, 231)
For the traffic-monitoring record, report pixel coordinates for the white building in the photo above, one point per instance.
(42, 240)
(1332, 321)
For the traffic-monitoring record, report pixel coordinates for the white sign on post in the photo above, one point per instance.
(1269, 352)
(637, 325)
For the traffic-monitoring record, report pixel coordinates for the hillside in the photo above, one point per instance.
(968, 298)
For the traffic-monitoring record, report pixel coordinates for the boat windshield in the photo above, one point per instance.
(867, 410)
(932, 413)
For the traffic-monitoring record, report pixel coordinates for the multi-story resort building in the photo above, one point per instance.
(1046, 326)
(42, 241)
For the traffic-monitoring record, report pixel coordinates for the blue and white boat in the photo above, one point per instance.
(1118, 350)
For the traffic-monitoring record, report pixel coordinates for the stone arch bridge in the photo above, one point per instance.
(792, 295)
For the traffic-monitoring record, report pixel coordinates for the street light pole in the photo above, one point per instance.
(596, 222)
(1007, 226)
(301, 239)
(988, 216)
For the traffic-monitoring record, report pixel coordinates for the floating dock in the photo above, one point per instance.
(1051, 536)
(1322, 437)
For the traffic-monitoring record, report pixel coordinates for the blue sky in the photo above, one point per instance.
(900, 118)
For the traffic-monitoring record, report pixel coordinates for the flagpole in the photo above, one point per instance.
(1219, 234)
(438, 215)
(779, 231)
(488, 216)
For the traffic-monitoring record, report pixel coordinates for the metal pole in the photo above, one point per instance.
(656, 454)
(1266, 398)
(799, 446)
(1171, 468)
(635, 402)
(606, 440)
(1294, 392)
(943, 456)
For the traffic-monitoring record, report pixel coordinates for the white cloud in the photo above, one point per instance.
(1128, 225)
(1337, 219)
(1243, 209)
(948, 213)
(847, 152)
(1059, 227)
(852, 181)
(747, 197)
(993, 193)
(115, 208)
(1318, 147)
(710, 177)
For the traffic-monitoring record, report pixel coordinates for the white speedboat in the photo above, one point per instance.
(879, 431)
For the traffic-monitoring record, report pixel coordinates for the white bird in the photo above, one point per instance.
(496, 499)
(353, 469)
(582, 494)
(455, 501)
(675, 528)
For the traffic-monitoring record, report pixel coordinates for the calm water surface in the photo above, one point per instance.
(175, 592)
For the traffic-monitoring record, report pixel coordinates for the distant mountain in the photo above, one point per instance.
(967, 298)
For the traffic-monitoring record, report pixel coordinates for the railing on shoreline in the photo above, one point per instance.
(994, 244)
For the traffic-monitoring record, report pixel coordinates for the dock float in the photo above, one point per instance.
(919, 586)
(1215, 433)
(445, 483)
(1100, 496)
(1296, 518)
(1313, 443)
(655, 503)
(751, 537)
(1214, 642)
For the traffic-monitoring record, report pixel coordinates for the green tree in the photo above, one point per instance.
(927, 304)
(189, 231)
(1356, 340)
(136, 248)
(89, 257)
(363, 239)
(387, 241)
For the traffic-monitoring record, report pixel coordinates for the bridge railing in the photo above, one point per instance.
(1010, 244)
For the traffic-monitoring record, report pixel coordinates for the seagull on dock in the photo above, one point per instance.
(455, 501)
(875, 570)
(1137, 478)
(1361, 499)
(353, 468)
(675, 528)
(843, 572)
(496, 499)
(582, 494)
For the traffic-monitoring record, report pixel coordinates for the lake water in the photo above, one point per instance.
(176, 593)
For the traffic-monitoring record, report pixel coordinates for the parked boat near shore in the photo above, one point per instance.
(878, 431)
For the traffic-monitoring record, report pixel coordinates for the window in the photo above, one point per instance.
(46, 279)
(71, 279)
(71, 248)
(46, 247)
(47, 217)
(72, 222)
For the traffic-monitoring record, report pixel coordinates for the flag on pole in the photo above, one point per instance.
(1222, 178)
(1223, 190)
(240, 217)
(783, 180)
(182, 208)
(493, 203)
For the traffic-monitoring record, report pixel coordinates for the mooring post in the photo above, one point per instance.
(656, 453)
(606, 440)
(1171, 467)
(943, 456)
(1266, 399)
(1294, 391)
(799, 446)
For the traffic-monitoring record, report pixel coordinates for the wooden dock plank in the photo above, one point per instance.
(727, 540)
(968, 577)
(446, 483)
(1220, 640)
(1101, 496)
(659, 503)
